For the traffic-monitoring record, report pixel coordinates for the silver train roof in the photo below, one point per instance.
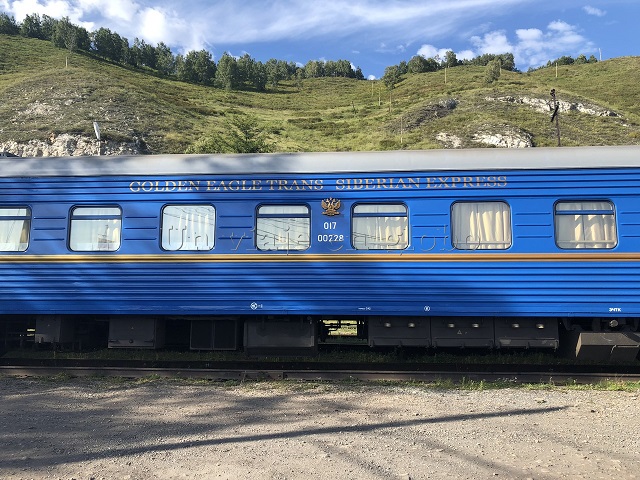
(325, 162)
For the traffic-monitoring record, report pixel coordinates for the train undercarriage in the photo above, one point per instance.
(586, 339)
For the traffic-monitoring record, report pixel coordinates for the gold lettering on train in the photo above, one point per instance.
(313, 184)
(466, 182)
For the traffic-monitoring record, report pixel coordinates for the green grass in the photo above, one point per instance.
(328, 114)
(346, 385)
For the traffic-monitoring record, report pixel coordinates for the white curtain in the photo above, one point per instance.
(188, 227)
(481, 225)
(283, 227)
(385, 229)
(14, 232)
(585, 225)
(90, 232)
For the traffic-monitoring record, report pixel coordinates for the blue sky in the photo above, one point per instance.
(372, 34)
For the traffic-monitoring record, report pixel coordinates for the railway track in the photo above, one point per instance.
(314, 371)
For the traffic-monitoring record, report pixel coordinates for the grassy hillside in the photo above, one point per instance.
(44, 89)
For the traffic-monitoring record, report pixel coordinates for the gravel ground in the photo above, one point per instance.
(99, 429)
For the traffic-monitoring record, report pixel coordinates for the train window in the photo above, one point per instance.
(15, 224)
(95, 229)
(380, 226)
(283, 227)
(481, 225)
(188, 227)
(586, 224)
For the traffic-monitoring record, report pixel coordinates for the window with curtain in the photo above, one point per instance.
(481, 225)
(95, 229)
(283, 227)
(380, 227)
(188, 227)
(15, 224)
(585, 224)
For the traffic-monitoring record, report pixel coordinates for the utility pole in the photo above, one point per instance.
(555, 107)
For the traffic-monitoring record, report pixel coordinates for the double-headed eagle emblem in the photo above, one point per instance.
(330, 206)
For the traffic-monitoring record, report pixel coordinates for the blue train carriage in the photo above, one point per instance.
(455, 248)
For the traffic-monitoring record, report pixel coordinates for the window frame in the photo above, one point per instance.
(381, 214)
(26, 221)
(74, 217)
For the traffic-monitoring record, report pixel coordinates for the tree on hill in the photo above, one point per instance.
(492, 71)
(247, 136)
(506, 59)
(196, 67)
(8, 25)
(107, 44)
(244, 135)
(31, 27)
(70, 36)
(252, 72)
(450, 59)
(277, 71)
(227, 72)
(164, 59)
(314, 69)
(391, 76)
(48, 26)
(420, 64)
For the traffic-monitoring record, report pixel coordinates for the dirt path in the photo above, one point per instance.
(89, 429)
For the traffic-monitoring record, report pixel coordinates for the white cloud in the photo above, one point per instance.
(22, 8)
(534, 47)
(493, 42)
(560, 39)
(53, 8)
(154, 26)
(429, 51)
(115, 10)
(396, 26)
(529, 35)
(594, 11)
(466, 55)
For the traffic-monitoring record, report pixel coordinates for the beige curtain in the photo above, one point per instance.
(481, 225)
(585, 225)
(380, 227)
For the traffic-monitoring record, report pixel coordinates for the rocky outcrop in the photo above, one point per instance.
(449, 140)
(543, 106)
(66, 145)
(422, 114)
(503, 136)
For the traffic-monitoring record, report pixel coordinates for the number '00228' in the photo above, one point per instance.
(330, 237)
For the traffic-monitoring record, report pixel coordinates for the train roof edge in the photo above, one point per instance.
(324, 162)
